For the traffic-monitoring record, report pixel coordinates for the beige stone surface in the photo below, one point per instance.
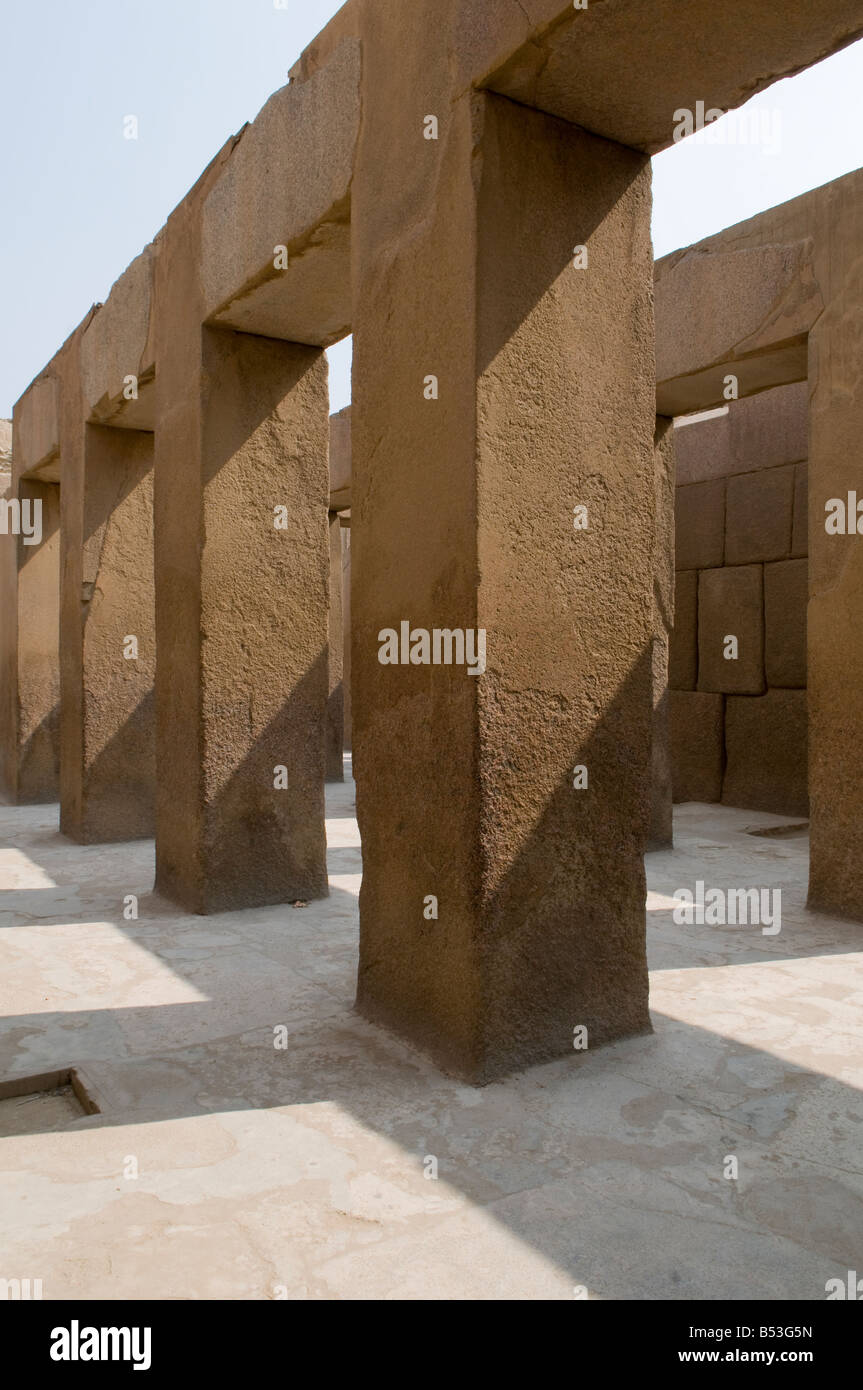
(37, 425)
(241, 604)
(699, 531)
(758, 517)
(697, 742)
(265, 1173)
(119, 343)
(110, 793)
(766, 749)
(731, 604)
(287, 183)
(744, 311)
(335, 658)
(548, 55)
(29, 651)
(757, 432)
(800, 531)
(37, 687)
(340, 459)
(661, 827)
(683, 656)
(786, 587)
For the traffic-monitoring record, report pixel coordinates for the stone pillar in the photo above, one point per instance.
(346, 630)
(661, 812)
(30, 648)
(242, 589)
(336, 699)
(464, 501)
(834, 623)
(108, 653)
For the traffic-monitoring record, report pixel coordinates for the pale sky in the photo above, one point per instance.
(80, 201)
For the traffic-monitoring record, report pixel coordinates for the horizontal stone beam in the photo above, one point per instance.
(118, 352)
(37, 428)
(287, 184)
(745, 313)
(340, 460)
(622, 68)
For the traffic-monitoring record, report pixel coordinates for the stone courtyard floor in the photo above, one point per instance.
(299, 1173)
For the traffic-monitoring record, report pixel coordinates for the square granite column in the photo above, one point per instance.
(503, 382)
(242, 592)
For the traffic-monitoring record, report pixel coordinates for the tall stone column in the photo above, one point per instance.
(503, 479)
(346, 637)
(242, 589)
(835, 610)
(661, 799)
(336, 699)
(108, 652)
(30, 646)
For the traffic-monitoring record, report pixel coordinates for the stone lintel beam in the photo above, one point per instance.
(307, 132)
(118, 346)
(622, 68)
(744, 312)
(340, 460)
(36, 428)
(619, 68)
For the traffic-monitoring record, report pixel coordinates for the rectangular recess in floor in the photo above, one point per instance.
(48, 1101)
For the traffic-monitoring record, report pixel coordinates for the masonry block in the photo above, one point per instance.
(335, 659)
(766, 753)
(697, 744)
(700, 525)
(758, 516)
(786, 587)
(661, 834)
(800, 530)
(730, 604)
(683, 659)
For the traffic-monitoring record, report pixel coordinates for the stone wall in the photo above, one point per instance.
(5, 446)
(739, 725)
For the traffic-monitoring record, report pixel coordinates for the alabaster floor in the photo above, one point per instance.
(300, 1173)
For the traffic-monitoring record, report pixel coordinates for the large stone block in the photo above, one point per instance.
(661, 816)
(730, 604)
(766, 753)
(699, 536)
(800, 532)
(683, 659)
(287, 183)
(697, 745)
(335, 659)
(118, 344)
(785, 600)
(340, 459)
(762, 431)
(37, 424)
(716, 315)
(759, 511)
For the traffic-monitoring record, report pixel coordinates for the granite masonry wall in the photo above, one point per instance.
(739, 722)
